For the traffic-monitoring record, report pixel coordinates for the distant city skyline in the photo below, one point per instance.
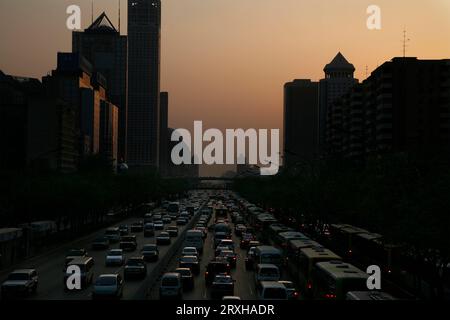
(224, 58)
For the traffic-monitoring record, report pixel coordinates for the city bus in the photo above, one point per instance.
(294, 246)
(342, 238)
(334, 279)
(307, 259)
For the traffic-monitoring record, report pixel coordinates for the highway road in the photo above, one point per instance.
(245, 281)
(50, 267)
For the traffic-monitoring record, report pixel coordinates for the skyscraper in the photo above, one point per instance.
(103, 46)
(163, 131)
(144, 32)
(300, 121)
(338, 80)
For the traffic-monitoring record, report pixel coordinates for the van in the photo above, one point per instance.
(268, 255)
(272, 290)
(86, 265)
(149, 230)
(194, 238)
(171, 286)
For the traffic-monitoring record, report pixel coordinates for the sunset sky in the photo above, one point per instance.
(225, 61)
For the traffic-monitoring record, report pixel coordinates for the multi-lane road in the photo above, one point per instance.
(245, 279)
(51, 268)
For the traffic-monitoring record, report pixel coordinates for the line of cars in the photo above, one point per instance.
(183, 277)
(266, 262)
(116, 242)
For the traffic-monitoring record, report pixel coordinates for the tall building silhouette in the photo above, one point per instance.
(103, 46)
(163, 131)
(144, 32)
(338, 80)
(300, 121)
(403, 106)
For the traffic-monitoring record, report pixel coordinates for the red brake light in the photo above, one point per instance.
(309, 286)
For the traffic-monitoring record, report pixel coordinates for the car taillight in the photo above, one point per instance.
(309, 285)
(206, 273)
(296, 294)
(330, 296)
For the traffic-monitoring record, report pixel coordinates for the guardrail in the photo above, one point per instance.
(156, 273)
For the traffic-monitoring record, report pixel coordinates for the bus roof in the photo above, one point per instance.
(340, 269)
(297, 244)
(369, 295)
(369, 236)
(293, 235)
(268, 249)
(353, 230)
(320, 253)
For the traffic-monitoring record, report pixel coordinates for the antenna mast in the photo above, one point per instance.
(92, 12)
(405, 41)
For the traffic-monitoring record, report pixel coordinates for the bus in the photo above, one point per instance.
(342, 238)
(194, 238)
(334, 279)
(307, 259)
(294, 246)
(268, 255)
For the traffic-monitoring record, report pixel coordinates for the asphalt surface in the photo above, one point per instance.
(50, 267)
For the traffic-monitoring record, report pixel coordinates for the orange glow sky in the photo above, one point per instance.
(225, 61)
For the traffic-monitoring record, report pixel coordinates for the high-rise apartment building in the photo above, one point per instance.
(404, 106)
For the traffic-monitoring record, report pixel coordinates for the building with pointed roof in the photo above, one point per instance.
(339, 78)
(103, 46)
(102, 25)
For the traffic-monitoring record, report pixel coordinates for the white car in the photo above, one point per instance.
(190, 251)
(115, 257)
(108, 285)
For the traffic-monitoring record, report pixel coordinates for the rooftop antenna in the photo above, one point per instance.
(92, 11)
(405, 41)
(367, 70)
(119, 17)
